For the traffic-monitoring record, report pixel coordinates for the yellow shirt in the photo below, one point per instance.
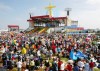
(23, 50)
(15, 41)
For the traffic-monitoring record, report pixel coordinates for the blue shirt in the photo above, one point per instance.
(76, 68)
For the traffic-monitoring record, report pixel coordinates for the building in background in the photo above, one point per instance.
(13, 28)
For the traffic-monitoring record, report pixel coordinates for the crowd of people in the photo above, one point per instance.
(49, 52)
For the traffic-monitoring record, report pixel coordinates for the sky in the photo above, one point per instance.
(16, 12)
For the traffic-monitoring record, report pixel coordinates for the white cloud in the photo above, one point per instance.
(93, 2)
(4, 7)
(89, 19)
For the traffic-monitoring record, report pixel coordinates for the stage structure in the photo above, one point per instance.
(41, 24)
(44, 23)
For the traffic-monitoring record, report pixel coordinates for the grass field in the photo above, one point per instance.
(96, 69)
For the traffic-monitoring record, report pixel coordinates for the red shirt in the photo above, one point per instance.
(13, 58)
(53, 48)
(69, 67)
(59, 64)
(91, 64)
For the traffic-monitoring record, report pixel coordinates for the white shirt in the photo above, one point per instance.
(38, 53)
(62, 66)
(81, 64)
(19, 64)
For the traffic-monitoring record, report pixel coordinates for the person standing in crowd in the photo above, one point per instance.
(59, 64)
(86, 66)
(91, 64)
(69, 67)
(37, 63)
(19, 65)
(76, 67)
(54, 65)
(32, 65)
(4, 59)
(47, 64)
(62, 67)
(81, 64)
(27, 63)
(10, 64)
(23, 65)
(38, 53)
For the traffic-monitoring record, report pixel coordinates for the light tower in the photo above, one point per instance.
(68, 23)
(49, 8)
(67, 11)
